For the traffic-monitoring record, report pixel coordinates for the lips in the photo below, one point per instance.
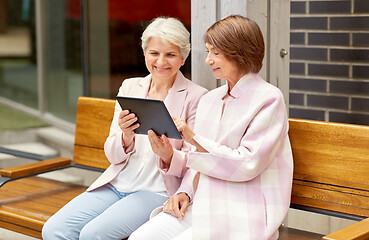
(215, 69)
(160, 69)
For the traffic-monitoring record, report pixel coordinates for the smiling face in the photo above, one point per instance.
(222, 67)
(163, 59)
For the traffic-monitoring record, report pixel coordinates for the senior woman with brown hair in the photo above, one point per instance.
(239, 180)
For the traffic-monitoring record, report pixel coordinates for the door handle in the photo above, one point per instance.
(283, 53)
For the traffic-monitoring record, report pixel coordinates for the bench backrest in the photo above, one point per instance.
(331, 166)
(94, 116)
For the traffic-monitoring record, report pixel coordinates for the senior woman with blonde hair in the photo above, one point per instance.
(239, 180)
(145, 169)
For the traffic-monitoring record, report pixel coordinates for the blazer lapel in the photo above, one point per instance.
(175, 100)
(143, 87)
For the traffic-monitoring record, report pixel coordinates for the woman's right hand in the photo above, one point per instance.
(177, 205)
(125, 123)
(185, 131)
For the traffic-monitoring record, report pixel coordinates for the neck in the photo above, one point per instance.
(233, 81)
(159, 88)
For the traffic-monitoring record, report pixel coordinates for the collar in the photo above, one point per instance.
(240, 86)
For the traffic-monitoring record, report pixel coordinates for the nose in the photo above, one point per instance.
(161, 60)
(208, 60)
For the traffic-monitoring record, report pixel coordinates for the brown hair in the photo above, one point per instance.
(240, 40)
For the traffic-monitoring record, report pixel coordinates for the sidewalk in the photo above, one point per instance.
(9, 235)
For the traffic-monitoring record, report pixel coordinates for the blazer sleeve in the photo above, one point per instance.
(113, 147)
(262, 141)
(187, 183)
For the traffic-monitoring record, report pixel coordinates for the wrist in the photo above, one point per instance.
(184, 195)
(126, 140)
(167, 159)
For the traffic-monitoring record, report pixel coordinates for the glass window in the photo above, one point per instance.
(125, 23)
(63, 68)
(18, 62)
(88, 48)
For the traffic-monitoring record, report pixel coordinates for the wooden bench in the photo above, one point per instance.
(27, 201)
(330, 177)
(331, 173)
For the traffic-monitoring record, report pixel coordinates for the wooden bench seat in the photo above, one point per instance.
(330, 174)
(26, 204)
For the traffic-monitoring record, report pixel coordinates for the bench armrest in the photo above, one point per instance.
(357, 231)
(35, 167)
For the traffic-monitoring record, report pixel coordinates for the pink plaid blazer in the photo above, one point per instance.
(181, 101)
(246, 177)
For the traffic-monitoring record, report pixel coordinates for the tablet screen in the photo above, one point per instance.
(151, 114)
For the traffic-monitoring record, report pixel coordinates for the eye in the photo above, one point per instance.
(153, 53)
(171, 54)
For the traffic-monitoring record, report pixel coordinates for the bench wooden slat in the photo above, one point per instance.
(20, 229)
(91, 135)
(325, 197)
(91, 157)
(330, 153)
(35, 167)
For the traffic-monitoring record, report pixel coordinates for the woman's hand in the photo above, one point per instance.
(185, 131)
(161, 147)
(125, 122)
(177, 205)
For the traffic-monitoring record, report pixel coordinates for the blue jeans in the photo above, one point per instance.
(103, 213)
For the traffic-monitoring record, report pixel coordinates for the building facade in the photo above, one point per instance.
(329, 76)
(51, 52)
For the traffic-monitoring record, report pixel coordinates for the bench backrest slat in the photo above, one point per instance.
(331, 166)
(94, 116)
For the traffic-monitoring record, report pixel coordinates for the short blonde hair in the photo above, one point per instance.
(168, 29)
(240, 40)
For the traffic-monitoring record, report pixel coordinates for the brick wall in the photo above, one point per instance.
(329, 69)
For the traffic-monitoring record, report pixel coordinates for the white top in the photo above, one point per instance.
(141, 172)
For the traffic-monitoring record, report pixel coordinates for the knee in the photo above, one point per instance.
(90, 234)
(47, 231)
(52, 230)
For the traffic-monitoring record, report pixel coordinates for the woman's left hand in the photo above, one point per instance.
(177, 205)
(161, 146)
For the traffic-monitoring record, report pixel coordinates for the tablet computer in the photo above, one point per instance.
(151, 114)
